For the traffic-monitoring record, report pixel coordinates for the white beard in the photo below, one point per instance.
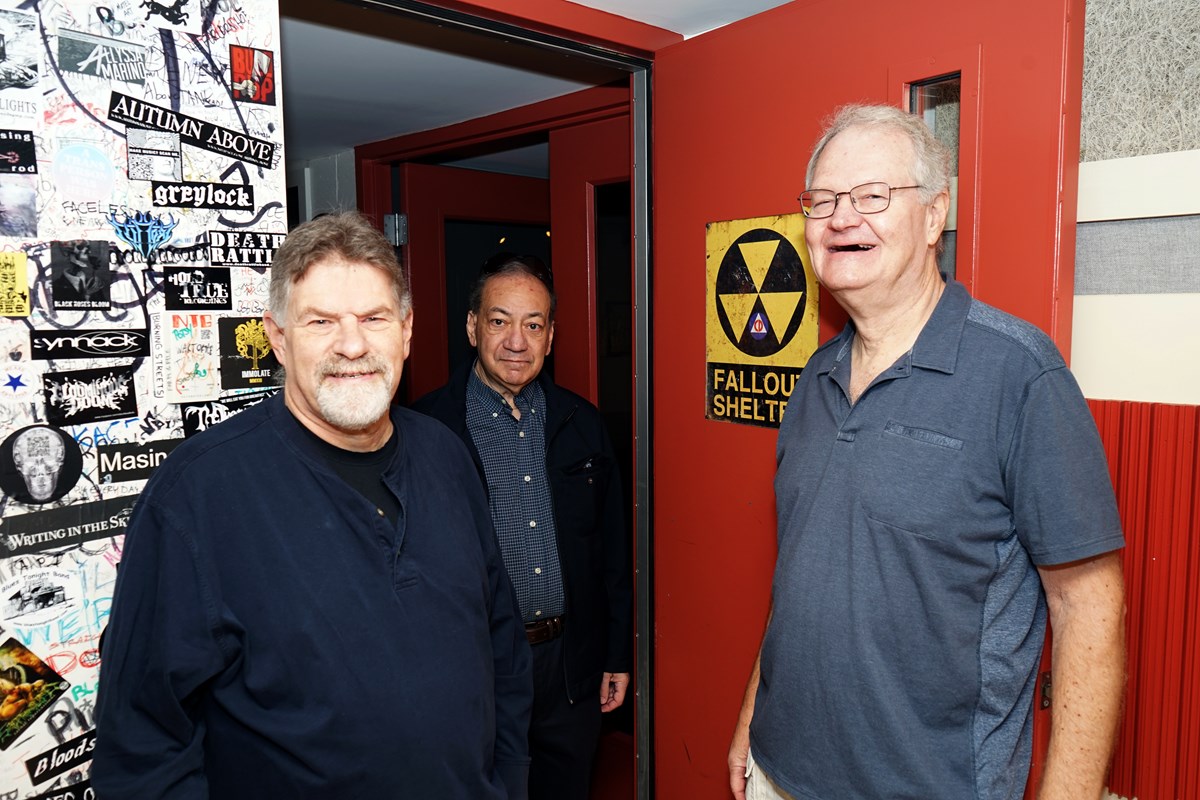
(356, 407)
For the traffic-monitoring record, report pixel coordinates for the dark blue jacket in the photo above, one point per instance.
(593, 542)
(274, 635)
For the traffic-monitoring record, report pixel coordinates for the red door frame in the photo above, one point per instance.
(568, 121)
(581, 158)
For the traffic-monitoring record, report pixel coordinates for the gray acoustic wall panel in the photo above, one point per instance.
(1138, 256)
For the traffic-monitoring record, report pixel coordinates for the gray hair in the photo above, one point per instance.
(511, 264)
(931, 159)
(345, 234)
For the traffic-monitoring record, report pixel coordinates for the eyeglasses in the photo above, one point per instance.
(867, 198)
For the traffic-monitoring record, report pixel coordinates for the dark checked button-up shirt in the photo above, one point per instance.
(513, 452)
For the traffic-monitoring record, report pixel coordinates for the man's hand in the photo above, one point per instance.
(739, 756)
(612, 690)
(739, 748)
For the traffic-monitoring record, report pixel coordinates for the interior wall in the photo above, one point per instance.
(1138, 252)
(324, 184)
(141, 200)
(735, 115)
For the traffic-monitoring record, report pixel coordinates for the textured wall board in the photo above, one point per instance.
(1141, 78)
(1139, 256)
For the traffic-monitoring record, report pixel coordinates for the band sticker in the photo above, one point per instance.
(133, 461)
(196, 132)
(80, 275)
(57, 760)
(89, 395)
(14, 285)
(20, 51)
(143, 232)
(45, 345)
(253, 74)
(17, 152)
(192, 356)
(198, 417)
(243, 248)
(153, 155)
(39, 464)
(200, 288)
(68, 526)
(35, 688)
(98, 57)
(246, 358)
(225, 196)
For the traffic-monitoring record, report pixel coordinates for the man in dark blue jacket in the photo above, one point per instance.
(555, 497)
(311, 603)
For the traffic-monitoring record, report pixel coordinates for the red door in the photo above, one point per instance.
(735, 114)
(432, 197)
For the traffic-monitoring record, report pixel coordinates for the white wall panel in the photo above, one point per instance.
(1142, 347)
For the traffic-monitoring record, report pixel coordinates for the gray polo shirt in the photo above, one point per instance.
(908, 616)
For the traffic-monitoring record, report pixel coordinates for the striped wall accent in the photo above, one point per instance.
(1155, 468)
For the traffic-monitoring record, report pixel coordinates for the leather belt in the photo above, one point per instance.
(544, 630)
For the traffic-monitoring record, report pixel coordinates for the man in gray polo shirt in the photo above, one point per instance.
(940, 486)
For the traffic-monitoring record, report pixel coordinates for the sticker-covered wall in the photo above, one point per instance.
(141, 201)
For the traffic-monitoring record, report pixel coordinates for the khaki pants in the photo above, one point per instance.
(759, 786)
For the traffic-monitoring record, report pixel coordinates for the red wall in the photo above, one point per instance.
(734, 120)
(1153, 462)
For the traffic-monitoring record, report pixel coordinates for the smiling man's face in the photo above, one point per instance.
(343, 346)
(852, 251)
(512, 331)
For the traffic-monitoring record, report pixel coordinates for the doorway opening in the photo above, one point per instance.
(611, 290)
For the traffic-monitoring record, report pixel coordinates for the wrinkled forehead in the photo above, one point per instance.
(865, 153)
(516, 289)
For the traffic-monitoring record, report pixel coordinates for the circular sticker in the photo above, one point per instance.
(39, 464)
(82, 172)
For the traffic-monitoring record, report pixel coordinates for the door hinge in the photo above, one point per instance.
(395, 228)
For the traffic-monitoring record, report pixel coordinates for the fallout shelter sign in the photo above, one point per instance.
(761, 320)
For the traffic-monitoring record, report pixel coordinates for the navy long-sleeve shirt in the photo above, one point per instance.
(274, 635)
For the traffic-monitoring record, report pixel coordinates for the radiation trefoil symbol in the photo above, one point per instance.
(761, 292)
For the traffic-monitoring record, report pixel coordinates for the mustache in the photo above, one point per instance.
(358, 366)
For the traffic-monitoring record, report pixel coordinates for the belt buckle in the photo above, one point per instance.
(544, 630)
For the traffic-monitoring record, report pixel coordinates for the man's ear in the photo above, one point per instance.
(406, 331)
(549, 336)
(936, 219)
(275, 335)
(471, 319)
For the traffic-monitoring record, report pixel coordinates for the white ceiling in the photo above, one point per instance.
(353, 75)
(687, 17)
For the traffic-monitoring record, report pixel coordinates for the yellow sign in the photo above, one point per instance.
(761, 319)
(14, 285)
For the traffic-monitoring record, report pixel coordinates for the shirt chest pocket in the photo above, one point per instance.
(916, 478)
